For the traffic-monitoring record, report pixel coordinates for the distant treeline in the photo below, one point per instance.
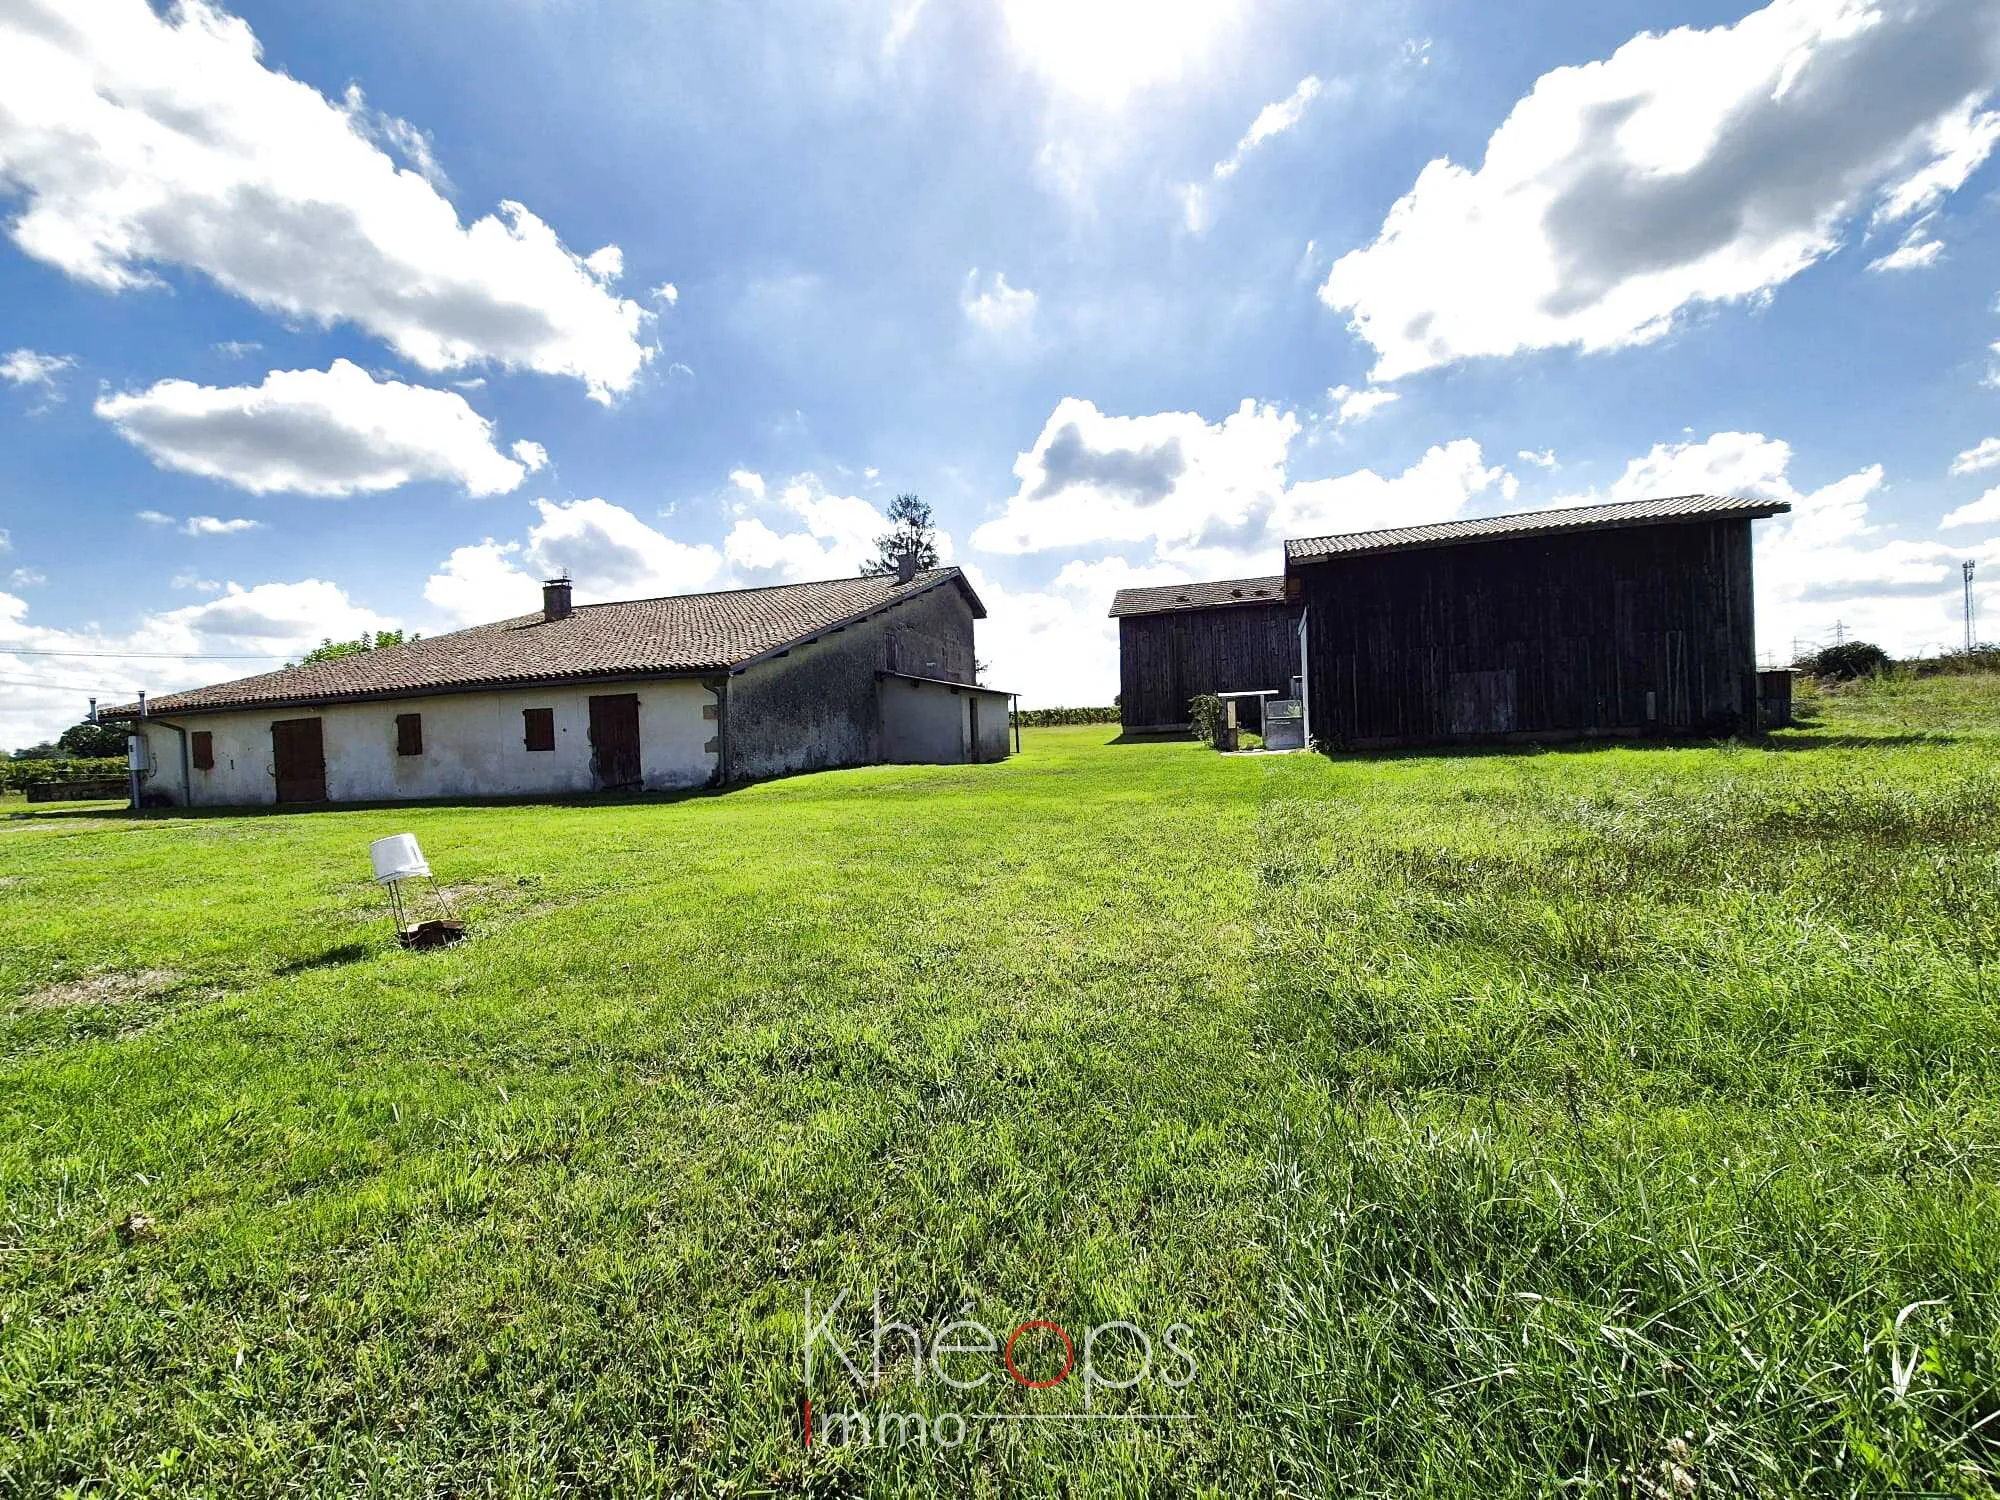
(15, 774)
(1050, 718)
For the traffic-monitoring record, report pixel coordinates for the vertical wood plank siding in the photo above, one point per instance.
(1631, 630)
(1165, 660)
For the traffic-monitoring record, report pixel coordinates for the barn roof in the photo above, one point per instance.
(1166, 598)
(678, 634)
(1531, 523)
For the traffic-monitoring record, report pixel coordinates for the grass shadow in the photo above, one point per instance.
(346, 953)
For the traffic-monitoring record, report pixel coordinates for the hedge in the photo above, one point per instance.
(1049, 718)
(15, 774)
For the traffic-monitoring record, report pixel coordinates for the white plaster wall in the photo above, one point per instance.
(474, 746)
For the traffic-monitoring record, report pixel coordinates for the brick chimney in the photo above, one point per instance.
(906, 567)
(555, 599)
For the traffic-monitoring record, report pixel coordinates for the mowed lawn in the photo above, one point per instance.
(1617, 1121)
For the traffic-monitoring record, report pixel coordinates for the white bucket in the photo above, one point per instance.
(397, 858)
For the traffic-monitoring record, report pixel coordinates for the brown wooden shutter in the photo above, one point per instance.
(539, 728)
(204, 750)
(409, 734)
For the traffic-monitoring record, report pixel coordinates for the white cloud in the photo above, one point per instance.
(1100, 52)
(237, 348)
(1209, 497)
(1545, 459)
(26, 367)
(138, 140)
(748, 481)
(1272, 120)
(480, 583)
(612, 554)
(1824, 563)
(27, 578)
(1978, 459)
(667, 292)
(333, 432)
(532, 456)
(1347, 404)
(609, 553)
(1056, 645)
(1917, 251)
(200, 525)
(196, 582)
(1691, 167)
(217, 526)
(1984, 511)
(818, 535)
(1001, 310)
(269, 622)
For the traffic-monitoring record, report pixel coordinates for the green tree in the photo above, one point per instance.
(88, 739)
(332, 650)
(911, 536)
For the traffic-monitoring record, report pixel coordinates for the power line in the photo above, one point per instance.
(54, 687)
(147, 655)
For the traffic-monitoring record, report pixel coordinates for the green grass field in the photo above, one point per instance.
(1617, 1121)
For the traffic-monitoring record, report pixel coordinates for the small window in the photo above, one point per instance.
(540, 728)
(409, 734)
(204, 750)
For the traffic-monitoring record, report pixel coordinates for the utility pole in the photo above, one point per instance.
(1840, 632)
(1966, 569)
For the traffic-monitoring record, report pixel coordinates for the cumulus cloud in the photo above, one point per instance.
(1272, 120)
(318, 432)
(531, 456)
(1979, 458)
(995, 307)
(786, 533)
(482, 582)
(1055, 644)
(1984, 511)
(137, 139)
(1205, 496)
(1826, 562)
(268, 623)
(1543, 459)
(806, 532)
(1697, 166)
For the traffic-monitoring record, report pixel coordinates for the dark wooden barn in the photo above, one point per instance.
(1183, 639)
(1624, 619)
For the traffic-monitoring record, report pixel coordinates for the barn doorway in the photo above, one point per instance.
(298, 760)
(614, 742)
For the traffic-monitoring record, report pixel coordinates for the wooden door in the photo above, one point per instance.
(614, 742)
(298, 759)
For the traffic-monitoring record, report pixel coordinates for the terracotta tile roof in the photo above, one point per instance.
(1531, 523)
(682, 633)
(1168, 597)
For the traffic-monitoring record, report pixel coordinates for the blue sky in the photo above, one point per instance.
(328, 318)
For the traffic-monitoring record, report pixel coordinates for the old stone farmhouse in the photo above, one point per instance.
(645, 694)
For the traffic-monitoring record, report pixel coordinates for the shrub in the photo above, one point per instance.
(1206, 717)
(1845, 662)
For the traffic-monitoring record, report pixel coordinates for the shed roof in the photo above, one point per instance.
(1166, 598)
(1531, 523)
(681, 634)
